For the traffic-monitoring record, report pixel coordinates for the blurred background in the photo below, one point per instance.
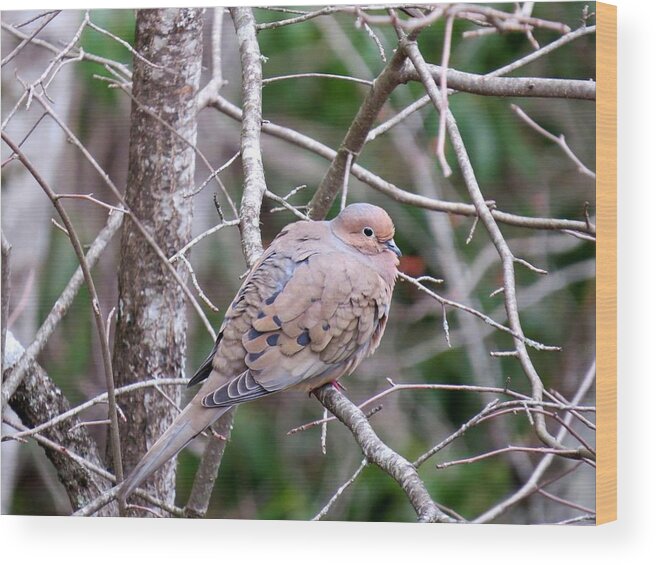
(267, 474)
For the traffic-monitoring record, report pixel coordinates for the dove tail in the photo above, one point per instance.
(189, 423)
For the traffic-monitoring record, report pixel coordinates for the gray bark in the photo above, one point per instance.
(37, 400)
(151, 323)
(6, 285)
(377, 452)
(532, 87)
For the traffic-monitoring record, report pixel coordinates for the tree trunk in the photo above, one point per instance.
(4, 293)
(151, 324)
(36, 401)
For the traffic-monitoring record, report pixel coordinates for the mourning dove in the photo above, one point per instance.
(312, 308)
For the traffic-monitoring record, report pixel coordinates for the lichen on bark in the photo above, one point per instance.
(151, 323)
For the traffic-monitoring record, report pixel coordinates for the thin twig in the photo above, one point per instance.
(324, 511)
(129, 47)
(505, 254)
(126, 88)
(53, 14)
(560, 500)
(72, 54)
(140, 226)
(470, 236)
(557, 139)
(458, 433)
(99, 399)
(496, 292)
(398, 194)
(55, 61)
(25, 137)
(214, 175)
(34, 18)
(577, 519)
(482, 15)
(200, 237)
(105, 422)
(425, 100)
(100, 325)
(285, 205)
(271, 80)
(532, 484)
(91, 198)
(194, 280)
(212, 88)
(371, 33)
(529, 266)
(398, 118)
(511, 448)
(402, 471)
(555, 395)
(441, 135)
(302, 18)
(484, 317)
(445, 325)
(503, 353)
(61, 306)
(521, 398)
(324, 431)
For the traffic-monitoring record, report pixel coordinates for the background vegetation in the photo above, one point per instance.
(265, 473)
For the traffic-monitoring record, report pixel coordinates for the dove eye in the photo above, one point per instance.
(368, 231)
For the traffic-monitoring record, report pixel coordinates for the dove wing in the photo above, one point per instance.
(308, 314)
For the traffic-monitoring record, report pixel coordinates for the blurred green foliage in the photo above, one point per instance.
(266, 474)
(121, 24)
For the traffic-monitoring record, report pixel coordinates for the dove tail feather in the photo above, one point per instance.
(189, 423)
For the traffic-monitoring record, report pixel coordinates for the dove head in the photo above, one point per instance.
(367, 228)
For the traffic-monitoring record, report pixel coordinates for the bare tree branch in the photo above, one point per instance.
(531, 485)
(212, 88)
(134, 219)
(506, 255)
(402, 471)
(557, 139)
(71, 54)
(6, 290)
(36, 400)
(251, 152)
(99, 399)
(355, 137)
(208, 470)
(95, 304)
(398, 194)
(506, 86)
(322, 513)
(249, 214)
(61, 306)
(52, 15)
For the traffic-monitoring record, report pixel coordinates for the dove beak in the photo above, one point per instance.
(391, 245)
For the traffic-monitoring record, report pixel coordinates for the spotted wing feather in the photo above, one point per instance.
(307, 314)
